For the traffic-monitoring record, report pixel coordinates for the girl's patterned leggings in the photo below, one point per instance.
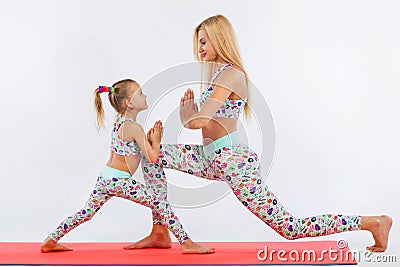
(127, 188)
(238, 166)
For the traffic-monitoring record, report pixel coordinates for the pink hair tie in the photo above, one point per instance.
(104, 89)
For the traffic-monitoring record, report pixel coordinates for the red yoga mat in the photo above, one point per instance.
(226, 253)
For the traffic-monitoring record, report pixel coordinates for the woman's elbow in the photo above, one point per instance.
(197, 124)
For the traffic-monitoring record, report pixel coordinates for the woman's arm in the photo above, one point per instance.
(193, 119)
(228, 81)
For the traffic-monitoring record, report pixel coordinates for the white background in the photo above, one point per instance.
(328, 69)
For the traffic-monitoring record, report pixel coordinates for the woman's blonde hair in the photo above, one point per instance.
(117, 97)
(222, 37)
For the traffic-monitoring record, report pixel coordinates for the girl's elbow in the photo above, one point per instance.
(153, 158)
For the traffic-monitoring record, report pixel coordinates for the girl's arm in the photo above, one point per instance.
(228, 81)
(149, 150)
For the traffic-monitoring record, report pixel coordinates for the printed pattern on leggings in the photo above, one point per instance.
(127, 188)
(186, 158)
(239, 167)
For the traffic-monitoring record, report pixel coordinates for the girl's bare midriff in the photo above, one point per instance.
(124, 163)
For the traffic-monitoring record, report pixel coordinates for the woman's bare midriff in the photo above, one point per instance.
(218, 127)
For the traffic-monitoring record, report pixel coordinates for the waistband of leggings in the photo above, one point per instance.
(108, 172)
(228, 140)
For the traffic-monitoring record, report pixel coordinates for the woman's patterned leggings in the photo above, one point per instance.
(238, 166)
(127, 188)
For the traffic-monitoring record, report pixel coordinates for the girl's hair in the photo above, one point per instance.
(117, 98)
(222, 37)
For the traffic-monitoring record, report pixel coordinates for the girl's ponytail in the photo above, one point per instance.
(117, 94)
(98, 105)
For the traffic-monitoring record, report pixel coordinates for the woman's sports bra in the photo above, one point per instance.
(232, 107)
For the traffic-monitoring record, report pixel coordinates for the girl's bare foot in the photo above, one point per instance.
(158, 238)
(49, 245)
(379, 226)
(189, 247)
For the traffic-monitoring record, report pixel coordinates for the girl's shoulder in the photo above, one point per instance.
(129, 129)
(130, 125)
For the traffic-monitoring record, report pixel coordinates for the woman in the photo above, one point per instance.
(224, 157)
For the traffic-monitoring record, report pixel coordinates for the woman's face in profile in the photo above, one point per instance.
(206, 49)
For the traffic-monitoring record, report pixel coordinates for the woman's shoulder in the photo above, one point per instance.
(233, 72)
(232, 76)
(236, 69)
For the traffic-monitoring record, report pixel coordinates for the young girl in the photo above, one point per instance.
(226, 158)
(128, 145)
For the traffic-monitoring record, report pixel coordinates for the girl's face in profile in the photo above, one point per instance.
(138, 99)
(206, 49)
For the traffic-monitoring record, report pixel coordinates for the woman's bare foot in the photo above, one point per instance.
(379, 226)
(189, 247)
(158, 238)
(49, 245)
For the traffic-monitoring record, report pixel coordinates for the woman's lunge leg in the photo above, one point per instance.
(243, 164)
(266, 206)
(186, 158)
(157, 183)
(132, 190)
(263, 203)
